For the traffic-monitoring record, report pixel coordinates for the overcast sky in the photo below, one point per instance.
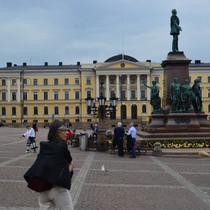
(53, 31)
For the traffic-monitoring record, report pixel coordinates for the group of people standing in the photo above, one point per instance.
(119, 134)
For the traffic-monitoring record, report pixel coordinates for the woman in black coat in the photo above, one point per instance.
(54, 166)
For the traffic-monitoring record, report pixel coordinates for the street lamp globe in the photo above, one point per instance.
(89, 100)
(101, 100)
(114, 101)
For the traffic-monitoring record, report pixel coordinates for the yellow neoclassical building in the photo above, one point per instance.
(46, 92)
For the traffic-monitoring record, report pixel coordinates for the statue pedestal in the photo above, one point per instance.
(176, 125)
(176, 65)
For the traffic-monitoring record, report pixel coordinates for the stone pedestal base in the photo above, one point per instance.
(178, 122)
(182, 122)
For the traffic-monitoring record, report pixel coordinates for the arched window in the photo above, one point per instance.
(134, 111)
(76, 110)
(144, 108)
(25, 111)
(56, 110)
(45, 110)
(3, 111)
(13, 111)
(123, 112)
(35, 110)
(66, 110)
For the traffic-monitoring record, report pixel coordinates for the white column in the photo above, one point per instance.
(117, 86)
(18, 90)
(138, 88)
(8, 90)
(107, 88)
(148, 89)
(97, 86)
(128, 88)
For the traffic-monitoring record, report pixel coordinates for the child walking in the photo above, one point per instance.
(30, 137)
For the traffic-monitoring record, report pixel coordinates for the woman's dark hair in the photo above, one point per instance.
(53, 132)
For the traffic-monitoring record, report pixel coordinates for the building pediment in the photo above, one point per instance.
(124, 66)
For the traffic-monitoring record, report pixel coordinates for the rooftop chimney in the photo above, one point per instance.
(197, 61)
(46, 63)
(24, 64)
(60, 64)
(9, 64)
(78, 63)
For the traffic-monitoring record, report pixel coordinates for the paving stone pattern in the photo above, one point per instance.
(145, 183)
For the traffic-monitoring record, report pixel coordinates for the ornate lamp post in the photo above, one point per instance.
(113, 105)
(102, 144)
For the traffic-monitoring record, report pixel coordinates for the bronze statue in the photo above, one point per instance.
(197, 97)
(186, 96)
(175, 28)
(155, 100)
(175, 94)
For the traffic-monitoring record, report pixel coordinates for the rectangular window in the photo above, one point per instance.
(3, 82)
(66, 81)
(45, 95)
(25, 82)
(13, 82)
(56, 97)
(3, 96)
(76, 81)
(35, 96)
(66, 95)
(56, 81)
(112, 93)
(111, 81)
(143, 95)
(88, 81)
(76, 94)
(122, 81)
(14, 98)
(200, 78)
(208, 79)
(143, 79)
(122, 93)
(157, 79)
(133, 81)
(25, 96)
(45, 81)
(133, 94)
(35, 82)
(88, 93)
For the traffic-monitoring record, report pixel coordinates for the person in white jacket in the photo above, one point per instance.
(30, 137)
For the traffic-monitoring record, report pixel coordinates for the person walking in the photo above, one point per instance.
(119, 138)
(54, 166)
(95, 132)
(30, 138)
(131, 134)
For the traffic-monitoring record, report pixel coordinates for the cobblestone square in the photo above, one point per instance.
(147, 182)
